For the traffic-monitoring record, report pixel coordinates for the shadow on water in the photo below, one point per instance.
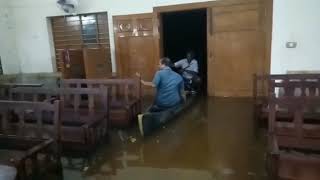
(214, 140)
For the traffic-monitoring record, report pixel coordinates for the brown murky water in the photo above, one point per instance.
(214, 140)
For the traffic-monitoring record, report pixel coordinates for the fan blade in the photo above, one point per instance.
(69, 5)
(61, 2)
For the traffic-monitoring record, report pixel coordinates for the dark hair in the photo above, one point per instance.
(165, 61)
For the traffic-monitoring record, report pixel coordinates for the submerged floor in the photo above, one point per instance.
(215, 140)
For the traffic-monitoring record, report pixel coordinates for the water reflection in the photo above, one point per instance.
(213, 141)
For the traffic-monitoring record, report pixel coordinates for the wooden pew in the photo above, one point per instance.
(125, 103)
(21, 142)
(84, 114)
(294, 140)
(282, 85)
(5, 88)
(295, 84)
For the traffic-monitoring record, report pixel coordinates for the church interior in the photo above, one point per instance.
(155, 89)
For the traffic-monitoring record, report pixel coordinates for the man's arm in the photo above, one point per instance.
(145, 83)
(178, 64)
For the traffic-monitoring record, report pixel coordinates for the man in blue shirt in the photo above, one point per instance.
(169, 85)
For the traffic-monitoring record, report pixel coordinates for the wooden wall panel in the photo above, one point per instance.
(236, 48)
(143, 58)
(235, 56)
(235, 21)
(97, 65)
(134, 43)
(75, 68)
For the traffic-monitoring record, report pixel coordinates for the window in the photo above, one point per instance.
(89, 29)
(77, 32)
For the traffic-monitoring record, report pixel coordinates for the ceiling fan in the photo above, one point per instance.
(68, 6)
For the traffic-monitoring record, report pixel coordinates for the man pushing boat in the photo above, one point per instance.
(169, 92)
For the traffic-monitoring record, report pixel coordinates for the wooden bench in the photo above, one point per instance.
(5, 88)
(294, 139)
(84, 114)
(282, 85)
(22, 142)
(125, 100)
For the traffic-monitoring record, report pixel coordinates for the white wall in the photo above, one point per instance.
(32, 37)
(10, 62)
(298, 21)
(294, 20)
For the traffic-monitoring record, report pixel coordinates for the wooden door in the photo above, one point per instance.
(72, 64)
(235, 48)
(97, 63)
(135, 45)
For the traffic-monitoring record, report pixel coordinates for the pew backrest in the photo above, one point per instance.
(126, 90)
(295, 84)
(295, 121)
(20, 110)
(286, 85)
(89, 99)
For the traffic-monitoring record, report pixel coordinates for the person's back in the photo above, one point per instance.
(169, 85)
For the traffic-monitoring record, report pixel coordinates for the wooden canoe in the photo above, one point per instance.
(150, 121)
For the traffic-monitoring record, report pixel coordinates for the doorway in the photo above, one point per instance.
(185, 31)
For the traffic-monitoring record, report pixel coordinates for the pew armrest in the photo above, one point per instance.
(273, 156)
(38, 148)
(273, 146)
(93, 123)
(133, 103)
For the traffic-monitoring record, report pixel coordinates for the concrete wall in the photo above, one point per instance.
(10, 62)
(294, 20)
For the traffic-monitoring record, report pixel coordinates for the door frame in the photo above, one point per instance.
(157, 11)
(157, 24)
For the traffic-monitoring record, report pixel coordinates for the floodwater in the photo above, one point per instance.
(214, 140)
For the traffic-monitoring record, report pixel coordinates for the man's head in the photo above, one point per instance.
(190, 55)
(164, 62)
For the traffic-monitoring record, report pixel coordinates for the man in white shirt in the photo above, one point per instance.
(189, 68)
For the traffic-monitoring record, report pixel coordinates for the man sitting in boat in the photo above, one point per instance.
(169, 97)
(169, 85)
(189, 70)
